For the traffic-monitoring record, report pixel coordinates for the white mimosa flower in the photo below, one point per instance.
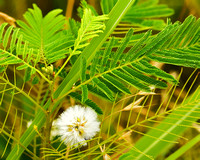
(76, 124)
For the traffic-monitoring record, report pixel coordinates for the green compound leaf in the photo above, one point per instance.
(88, 102)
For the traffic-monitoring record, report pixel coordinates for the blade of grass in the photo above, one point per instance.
(183, 149)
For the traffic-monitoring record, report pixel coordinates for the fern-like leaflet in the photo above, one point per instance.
(111, 72)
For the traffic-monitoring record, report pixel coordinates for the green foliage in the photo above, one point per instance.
(102, 64)
(133, 68)
(45, 34)
(17, 53)
(90, 27)
(84, 4)
(87, 102)
(142, 14)
(160, 137)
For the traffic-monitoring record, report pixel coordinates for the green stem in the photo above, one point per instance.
(30, 66)
(63, 65)
(23, 93)
(184, 148)
(48, 119)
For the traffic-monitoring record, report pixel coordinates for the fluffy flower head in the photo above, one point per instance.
(76, 124)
